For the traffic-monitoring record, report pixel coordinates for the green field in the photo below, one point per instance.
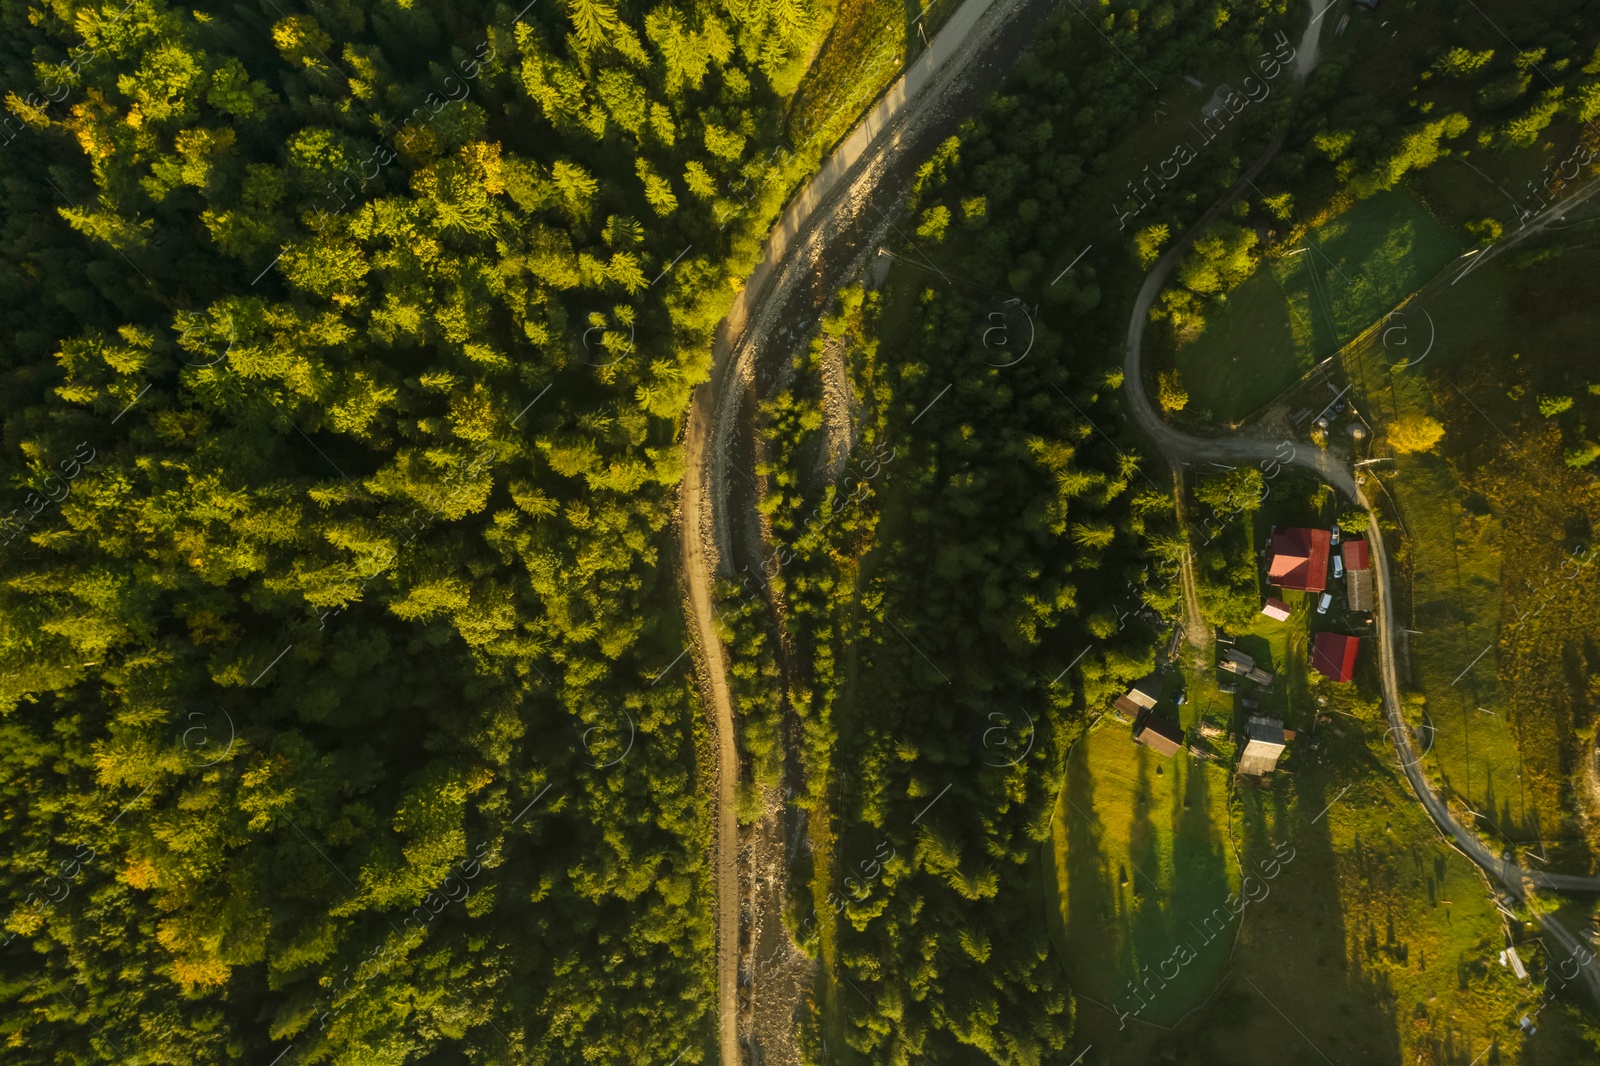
(1247, 354)
(1360, 265)
(1454, 563)
(1369, 941)
(1303, 306)
(1142, 859)
(1488, 519)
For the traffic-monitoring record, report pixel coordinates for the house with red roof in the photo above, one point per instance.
(1298, 558)
(1333, 655)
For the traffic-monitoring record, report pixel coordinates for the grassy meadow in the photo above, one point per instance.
(1509, 645)
(1370, 940)
(862, 46)
(1299, 308)
(1143, 857)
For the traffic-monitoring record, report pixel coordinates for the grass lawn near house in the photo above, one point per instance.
(1282, 648)
(1140, 857)
(1370, 939)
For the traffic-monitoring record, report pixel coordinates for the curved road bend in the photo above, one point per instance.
(1182, 449)
(810, 244)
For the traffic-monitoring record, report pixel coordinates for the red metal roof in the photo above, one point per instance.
(1333, 655)
(1299, 558)
(1355, 554)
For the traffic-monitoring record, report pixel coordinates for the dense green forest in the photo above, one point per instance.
(345, 714)
(343, 349)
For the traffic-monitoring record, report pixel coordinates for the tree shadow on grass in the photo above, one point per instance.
(1296, 991)
(1135, 934)
(1298, 977)
(1291, 988)
(1149, 931)
(1096, 905)
(1201, 920)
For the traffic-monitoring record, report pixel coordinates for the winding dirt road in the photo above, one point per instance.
(1182, 449)
(821, 237)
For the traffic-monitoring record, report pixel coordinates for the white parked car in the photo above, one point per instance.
(1334, 530)
(1322, 604)
(1338, 567)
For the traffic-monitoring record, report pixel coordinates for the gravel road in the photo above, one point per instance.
(821, 238)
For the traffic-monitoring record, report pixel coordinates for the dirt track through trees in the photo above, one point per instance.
(823, 232)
